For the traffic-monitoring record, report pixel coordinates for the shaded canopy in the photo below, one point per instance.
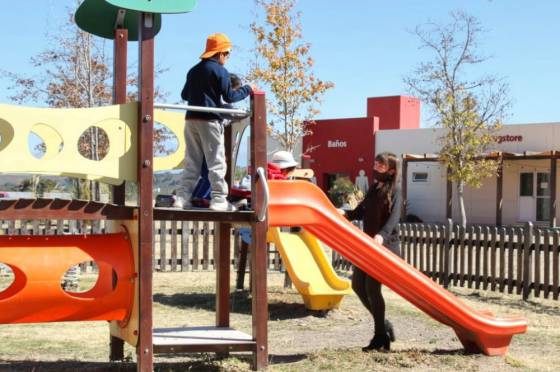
(100, 17)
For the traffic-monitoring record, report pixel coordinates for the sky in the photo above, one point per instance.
(363, 46)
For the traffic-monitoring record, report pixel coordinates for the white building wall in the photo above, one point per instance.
(427, 200)
(424, 198)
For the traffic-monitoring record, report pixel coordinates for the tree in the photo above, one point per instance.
(284, 66)
(470, 110)
(74, 72)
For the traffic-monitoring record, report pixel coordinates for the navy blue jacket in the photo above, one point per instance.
(208, 82)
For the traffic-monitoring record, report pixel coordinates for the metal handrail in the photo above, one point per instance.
(216, 110)
(262, 178)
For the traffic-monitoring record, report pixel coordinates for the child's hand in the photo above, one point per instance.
(254, 88)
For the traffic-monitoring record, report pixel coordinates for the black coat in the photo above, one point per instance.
(379, 217)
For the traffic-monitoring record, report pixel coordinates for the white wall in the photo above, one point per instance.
(427, 200)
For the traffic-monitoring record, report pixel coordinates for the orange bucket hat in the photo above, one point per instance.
(216, 43)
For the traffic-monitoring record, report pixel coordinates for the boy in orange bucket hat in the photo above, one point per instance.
(208, 82)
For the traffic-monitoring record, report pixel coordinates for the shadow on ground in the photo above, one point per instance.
(240, 304)
(515, 303)
(206, 364)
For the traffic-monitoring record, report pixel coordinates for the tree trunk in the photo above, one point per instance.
(461, 197)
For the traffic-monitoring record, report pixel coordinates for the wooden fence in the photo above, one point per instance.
(178, 245)
(518, 259)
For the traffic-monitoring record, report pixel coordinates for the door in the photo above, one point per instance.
(527, 204)
(534, 196)
(543, 196)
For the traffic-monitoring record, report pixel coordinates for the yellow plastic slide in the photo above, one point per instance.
(309, 269)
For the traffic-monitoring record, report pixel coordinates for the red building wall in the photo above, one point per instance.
(396, 112)
(345, 146)
(340, 146)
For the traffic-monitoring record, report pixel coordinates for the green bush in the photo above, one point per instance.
(340, 189)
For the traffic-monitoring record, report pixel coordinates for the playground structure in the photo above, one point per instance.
(123, 293)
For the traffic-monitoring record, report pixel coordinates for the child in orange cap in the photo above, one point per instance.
(208, 82)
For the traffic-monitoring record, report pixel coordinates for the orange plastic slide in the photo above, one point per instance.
(300, 203)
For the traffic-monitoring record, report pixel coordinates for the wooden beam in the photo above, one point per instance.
(223, 273)
(553, 183)
(144, 349)
(258, 244)
(37, 209)
(449, 197)
(168, 214)
(499, 191)
(120, 43)
(404, 187)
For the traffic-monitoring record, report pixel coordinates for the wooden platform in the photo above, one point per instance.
(40, 209)
(201, 339)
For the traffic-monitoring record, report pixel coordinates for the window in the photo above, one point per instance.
(526, 184)
(419, 177)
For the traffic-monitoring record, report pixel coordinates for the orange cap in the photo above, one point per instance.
(216, 43)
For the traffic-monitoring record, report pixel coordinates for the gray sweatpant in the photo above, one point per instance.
(204, 138)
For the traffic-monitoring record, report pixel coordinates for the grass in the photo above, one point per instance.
(299, 340)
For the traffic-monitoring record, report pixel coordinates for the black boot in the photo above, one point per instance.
(382, 341)
(378, 342)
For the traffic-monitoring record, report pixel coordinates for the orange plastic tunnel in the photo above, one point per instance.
(40, 262)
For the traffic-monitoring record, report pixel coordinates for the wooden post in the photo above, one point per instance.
(404, 187)
(120, 43)
(553, 175)
(449, 196)
(144, 349)
(499, 191)
(446, 250)
(242, 266)
(527, 246)
(258, 244)
(223, 261)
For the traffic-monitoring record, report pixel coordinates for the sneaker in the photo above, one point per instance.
(222, 206)
(181, 203)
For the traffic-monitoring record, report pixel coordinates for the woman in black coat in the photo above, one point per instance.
(380, 211)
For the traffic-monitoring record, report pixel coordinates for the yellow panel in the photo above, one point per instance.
(175, 122)
(64, 126)
(51, 138)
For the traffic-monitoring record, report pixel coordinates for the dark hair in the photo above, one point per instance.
(392, 162)
(235, 81)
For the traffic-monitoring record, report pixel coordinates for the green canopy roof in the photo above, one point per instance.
(156, 6)
(98, 17)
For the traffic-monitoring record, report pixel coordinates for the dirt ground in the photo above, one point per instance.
(299, 340)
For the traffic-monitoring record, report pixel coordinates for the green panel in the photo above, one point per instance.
(98, 17)
(156, 6)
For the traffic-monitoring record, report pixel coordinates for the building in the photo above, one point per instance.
(526, 190)
(344, 147)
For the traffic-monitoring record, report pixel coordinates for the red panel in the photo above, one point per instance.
(340, 146)
(396, 112)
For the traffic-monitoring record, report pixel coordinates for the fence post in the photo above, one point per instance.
(446, 249)
(528, 242)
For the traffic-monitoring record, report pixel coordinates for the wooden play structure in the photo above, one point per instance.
(123, 292)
